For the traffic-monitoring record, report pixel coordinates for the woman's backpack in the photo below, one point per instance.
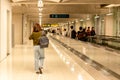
(44, 42)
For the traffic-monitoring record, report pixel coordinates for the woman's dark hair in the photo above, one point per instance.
(36, 28)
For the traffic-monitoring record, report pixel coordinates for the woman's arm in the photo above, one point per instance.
(31, 37)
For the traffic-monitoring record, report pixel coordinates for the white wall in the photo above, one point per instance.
(4, 7)
(29, 29)
(109, 26)
(17, 23)
(22, 29)
(88, 23)
(78, 24)
(0, 29)
(26, 29)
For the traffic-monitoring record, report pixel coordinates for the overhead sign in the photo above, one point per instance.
(59, 15)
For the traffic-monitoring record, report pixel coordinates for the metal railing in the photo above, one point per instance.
(109, 41)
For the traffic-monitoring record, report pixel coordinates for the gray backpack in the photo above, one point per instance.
(44, 41)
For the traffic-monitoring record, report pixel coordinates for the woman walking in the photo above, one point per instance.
(38, 52)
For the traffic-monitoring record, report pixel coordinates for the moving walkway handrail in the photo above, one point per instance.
(108, 41)
(106, 38)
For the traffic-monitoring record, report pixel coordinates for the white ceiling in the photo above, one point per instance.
(75, 8)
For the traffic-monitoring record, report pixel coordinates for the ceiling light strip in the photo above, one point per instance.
(40, 3)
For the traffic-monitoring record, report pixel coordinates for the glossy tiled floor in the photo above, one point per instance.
(58, 66)
(20, 66)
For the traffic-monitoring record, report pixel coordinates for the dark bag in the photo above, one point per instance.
(44, 42)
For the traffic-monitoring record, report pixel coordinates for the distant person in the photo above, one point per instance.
(58, 31)
(54, 32)
(64, 32)
(38, 52)
(79, 33)
(93, 32)
(92, 39)
(73, 33)
(88, 31)
(84, 35)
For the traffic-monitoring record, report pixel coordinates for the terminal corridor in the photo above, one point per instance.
(83, 38)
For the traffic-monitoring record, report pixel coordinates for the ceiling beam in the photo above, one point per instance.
(72, 2)
(93, 1)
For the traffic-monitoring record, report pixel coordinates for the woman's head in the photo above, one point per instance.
(36, 28)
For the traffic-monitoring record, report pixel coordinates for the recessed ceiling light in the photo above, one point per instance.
(97, 16)
(40, 3)
(81, 20)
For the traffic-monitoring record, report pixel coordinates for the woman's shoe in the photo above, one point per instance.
(37, 72)
(40, 70)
